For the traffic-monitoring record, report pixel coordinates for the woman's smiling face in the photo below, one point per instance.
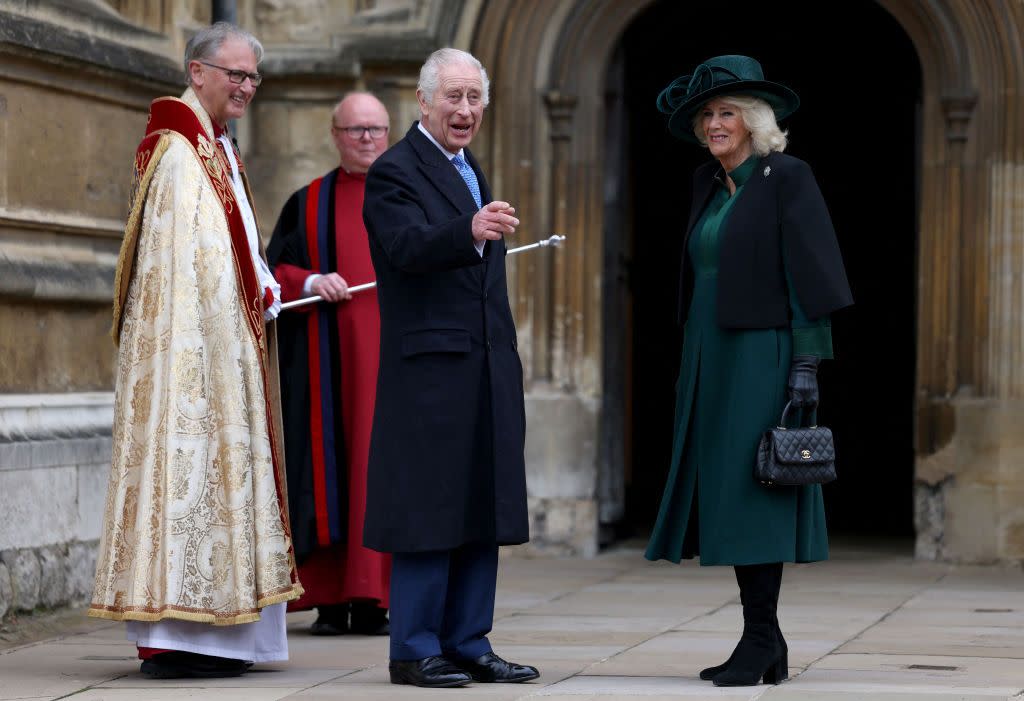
(725, 133)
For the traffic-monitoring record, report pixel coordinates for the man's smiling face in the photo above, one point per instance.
(223, 99)
(455, 111)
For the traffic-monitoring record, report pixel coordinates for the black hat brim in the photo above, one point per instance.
(782, 100)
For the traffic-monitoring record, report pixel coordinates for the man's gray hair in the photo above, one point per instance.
(430, 74)
(207, 42)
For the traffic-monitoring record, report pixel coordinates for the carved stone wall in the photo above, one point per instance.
(970, 455)
(316, 52)
(76, 77)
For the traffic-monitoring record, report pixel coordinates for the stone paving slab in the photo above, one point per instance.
(175, 693)
(641, 604)
(685, 654)
(782, 693)
(51, 670)
(272, 675)
(969, 671)
(563, 653)
(605, 688)
(803, 619)
(865, 625)
(870, 684)
(894, 638)
(374, 683)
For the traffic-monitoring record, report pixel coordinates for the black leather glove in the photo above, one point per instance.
(803, 381)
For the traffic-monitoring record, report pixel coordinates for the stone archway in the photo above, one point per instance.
(545, 150)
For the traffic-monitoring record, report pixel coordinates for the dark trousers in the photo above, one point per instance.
(442, 602)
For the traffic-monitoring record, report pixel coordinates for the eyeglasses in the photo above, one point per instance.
(237, 77)
(356, 133)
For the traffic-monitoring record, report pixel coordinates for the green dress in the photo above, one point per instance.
(732, 387)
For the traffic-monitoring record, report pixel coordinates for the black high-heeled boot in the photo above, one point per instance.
(760, 653)
(785, 648)
(709, 673)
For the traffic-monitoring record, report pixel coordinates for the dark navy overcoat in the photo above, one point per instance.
(446, 455)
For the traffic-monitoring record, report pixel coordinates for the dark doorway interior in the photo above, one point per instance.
(859, 80)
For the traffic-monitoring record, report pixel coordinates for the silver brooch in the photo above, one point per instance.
(767, 169)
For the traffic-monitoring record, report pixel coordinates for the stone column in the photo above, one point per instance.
(567, 267)
(949, 253)
(964, 242)
(561, 424)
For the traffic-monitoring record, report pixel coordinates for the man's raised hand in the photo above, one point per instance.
(494, 220)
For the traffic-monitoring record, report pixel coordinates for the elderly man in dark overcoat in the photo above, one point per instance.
(447, 481)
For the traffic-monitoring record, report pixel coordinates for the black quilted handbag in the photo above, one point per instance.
(795, 456)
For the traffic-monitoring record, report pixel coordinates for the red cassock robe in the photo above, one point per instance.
(334, 567)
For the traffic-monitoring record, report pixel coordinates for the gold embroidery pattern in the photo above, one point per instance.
(126, 258)
(216, 164)
(141, 162)
(194, 529)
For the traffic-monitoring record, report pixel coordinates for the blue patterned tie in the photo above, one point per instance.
(466, 171)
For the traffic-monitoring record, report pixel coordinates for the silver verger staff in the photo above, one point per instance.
(544, 243)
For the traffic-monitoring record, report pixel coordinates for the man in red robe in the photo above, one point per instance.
(328, 354)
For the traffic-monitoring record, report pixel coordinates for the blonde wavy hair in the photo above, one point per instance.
(758, 116)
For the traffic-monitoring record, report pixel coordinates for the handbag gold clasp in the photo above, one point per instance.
(805, 454)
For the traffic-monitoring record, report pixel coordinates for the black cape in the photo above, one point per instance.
(780, 213)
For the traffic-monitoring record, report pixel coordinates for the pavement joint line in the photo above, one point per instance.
(59, 637)
(918, 654)
(885, 616)
(539, 689)
(621, 570)
(332, 679)
(670, 629)
(84, 689)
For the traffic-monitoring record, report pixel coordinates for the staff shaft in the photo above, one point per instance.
(552, 241)
(317, 298)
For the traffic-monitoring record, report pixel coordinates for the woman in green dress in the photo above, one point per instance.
(761, 273)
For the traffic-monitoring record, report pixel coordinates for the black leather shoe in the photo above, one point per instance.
(178, 664)
(330, 620)
(368, 619)
(431, 672)
(325, 628)
(491, 668)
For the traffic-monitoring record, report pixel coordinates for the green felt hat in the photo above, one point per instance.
(721, 75)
